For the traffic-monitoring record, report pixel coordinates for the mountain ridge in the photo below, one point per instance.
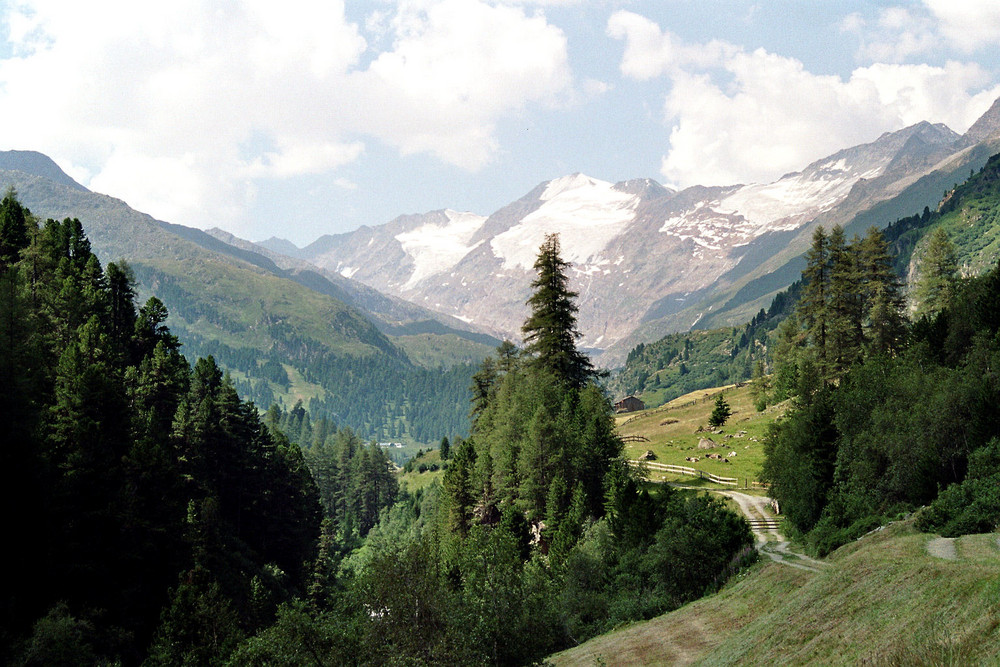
(646, 260)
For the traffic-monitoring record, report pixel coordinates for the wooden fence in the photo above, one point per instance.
(684, 470)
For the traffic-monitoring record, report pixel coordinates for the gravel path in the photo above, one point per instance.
(771, 542)
(943, 547)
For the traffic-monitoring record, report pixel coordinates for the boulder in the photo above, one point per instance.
(706, 443)
(648, 456)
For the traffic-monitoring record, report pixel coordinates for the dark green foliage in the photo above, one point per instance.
(973, 505)
(800, 455)
(684, 362)
(198, 627)
(60, 639)
(899, 429)
(14, 229)
(128, 469)
(355, 481)
(720, 413)
(550, 332)
(693, 543)
(302, 636)
(851, 306)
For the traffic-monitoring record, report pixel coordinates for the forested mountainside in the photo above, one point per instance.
(894, 406)
(162, 521)
(283, 335)
(967, 214)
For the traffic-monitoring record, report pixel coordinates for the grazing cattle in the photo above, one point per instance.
(725, 460)
(731, 454)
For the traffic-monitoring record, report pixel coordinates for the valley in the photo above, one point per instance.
(500, 332)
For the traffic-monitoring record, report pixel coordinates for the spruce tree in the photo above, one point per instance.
(844, 337)
(720, 413)
(883, 302)
(550, 331)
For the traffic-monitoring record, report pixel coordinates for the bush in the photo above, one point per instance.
(973, 506)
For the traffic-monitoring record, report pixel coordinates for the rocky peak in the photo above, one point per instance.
(988, 126)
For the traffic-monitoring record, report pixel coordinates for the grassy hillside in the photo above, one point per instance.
(671, 430)
(412, 478)
(970, 214)
(680, 363)
(883, 600)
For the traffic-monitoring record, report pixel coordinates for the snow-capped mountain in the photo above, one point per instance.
(644, 257)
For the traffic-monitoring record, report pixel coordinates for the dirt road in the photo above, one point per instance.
(771, 542)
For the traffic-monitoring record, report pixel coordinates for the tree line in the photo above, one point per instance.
(157, 518)
(887, 411)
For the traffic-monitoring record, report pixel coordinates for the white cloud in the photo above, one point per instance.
(741, 116)
(898, 33)
(968, 24)
(455, 68)
(177, 107)
(651, 52)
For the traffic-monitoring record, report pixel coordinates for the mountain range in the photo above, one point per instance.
(648, 260)
(442, 288)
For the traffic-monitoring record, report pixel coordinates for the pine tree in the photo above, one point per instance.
(550, 331)
(14, 229)
(844, 305)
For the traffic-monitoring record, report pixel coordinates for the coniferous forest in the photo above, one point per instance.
(157, 518)
(890, 414)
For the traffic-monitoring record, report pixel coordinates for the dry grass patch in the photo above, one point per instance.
(883, 600)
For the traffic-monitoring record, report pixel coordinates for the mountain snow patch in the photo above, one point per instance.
(435, 248)
(585, 212)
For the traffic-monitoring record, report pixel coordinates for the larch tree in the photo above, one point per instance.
(936, 281)
(814, 308)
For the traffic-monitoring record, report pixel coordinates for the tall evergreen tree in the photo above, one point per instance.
(883, 323)
(550, 331)
(844, 305)
(814, 311)
(936, 279)
(14, 229)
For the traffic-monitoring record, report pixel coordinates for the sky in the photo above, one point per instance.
(303, 118)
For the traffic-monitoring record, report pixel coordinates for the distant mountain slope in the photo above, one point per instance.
(31, 162)
(393, 316)
(648, 260)
(239, 306)
(969, 213)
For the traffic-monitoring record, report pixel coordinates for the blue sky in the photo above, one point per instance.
(302, 118)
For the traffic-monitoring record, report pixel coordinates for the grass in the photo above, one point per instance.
(671, 430)
(882, 600)
(437, 350)
(299, 389)
(415, 480)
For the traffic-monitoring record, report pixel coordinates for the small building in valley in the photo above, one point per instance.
(629, 404)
